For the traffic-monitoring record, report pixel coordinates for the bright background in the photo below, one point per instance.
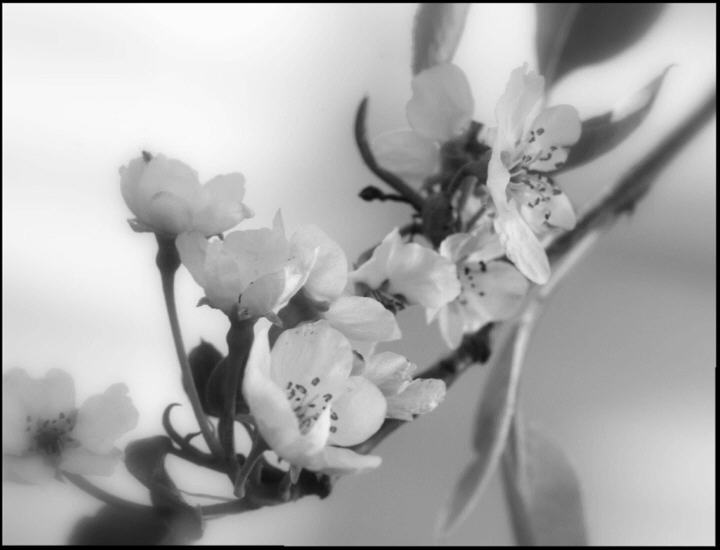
(621, 372)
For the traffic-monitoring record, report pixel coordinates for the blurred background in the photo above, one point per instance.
(621, 372)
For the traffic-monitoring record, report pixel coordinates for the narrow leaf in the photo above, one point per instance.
(203, 359)
(543, 492)
(492, 425)
(602, 133)
(436, 34)
(572, 35)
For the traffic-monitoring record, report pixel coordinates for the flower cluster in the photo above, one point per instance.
(500, 191)
(314, 385)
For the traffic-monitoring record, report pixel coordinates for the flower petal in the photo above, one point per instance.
(450, 320)
(30, 469)
(336, 460)
(314, 355)
(221, 206)
(161, 192)
(375, 271)
(389, 371)
(363, 319)
(357, 413)
(328, 277)
(271, 409)
(79, 460)
(420, 397)
(559, 125)
(543, 203)
(103, 418)
(442, 105)
(522, 97)
(192, 248)
(168, 213)
(492, 291)
(523, 247)
(407, 154)
(422, 276)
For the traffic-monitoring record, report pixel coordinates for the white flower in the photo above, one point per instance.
(492, 289)
(406, 398)
(166, 196)
(529, 140)
(407, 273)
(360, 319)
(43, 430)
(441, 109)
(305, 402)
(254, 271)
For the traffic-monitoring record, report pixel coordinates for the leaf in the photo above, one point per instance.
(436, 34)
(145, 460)
(543, 492)
(572, 35)
(602, 133)
(115, 526)
(492, 425)
(203, 359)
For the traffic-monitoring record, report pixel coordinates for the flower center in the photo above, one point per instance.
(51, 436)
(307, 404)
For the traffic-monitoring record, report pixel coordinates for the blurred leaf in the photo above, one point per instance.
(145, 459)
(114, 526)
(572, 35)
(543, 493)
(203, 359)
(492, 425)
(436, 34)
(602, 133)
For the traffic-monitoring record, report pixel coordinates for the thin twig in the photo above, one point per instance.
(168, 262)
(412, 196)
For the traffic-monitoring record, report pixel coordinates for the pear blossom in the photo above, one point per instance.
(359, 318)
(45, 432)
(492, 289)
(166, 197)
(248, 273)
(306, 404)
(441, 108)
(401, 274)
(529, 141)
(393, 375)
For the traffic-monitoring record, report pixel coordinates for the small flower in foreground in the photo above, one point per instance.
(400, 274)
(167, 197)
(441, 109)
(250, 273)
(406, 398)
(492, 289)
(360, 319)
(43, 430)
(529, 141)
(305, 402)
